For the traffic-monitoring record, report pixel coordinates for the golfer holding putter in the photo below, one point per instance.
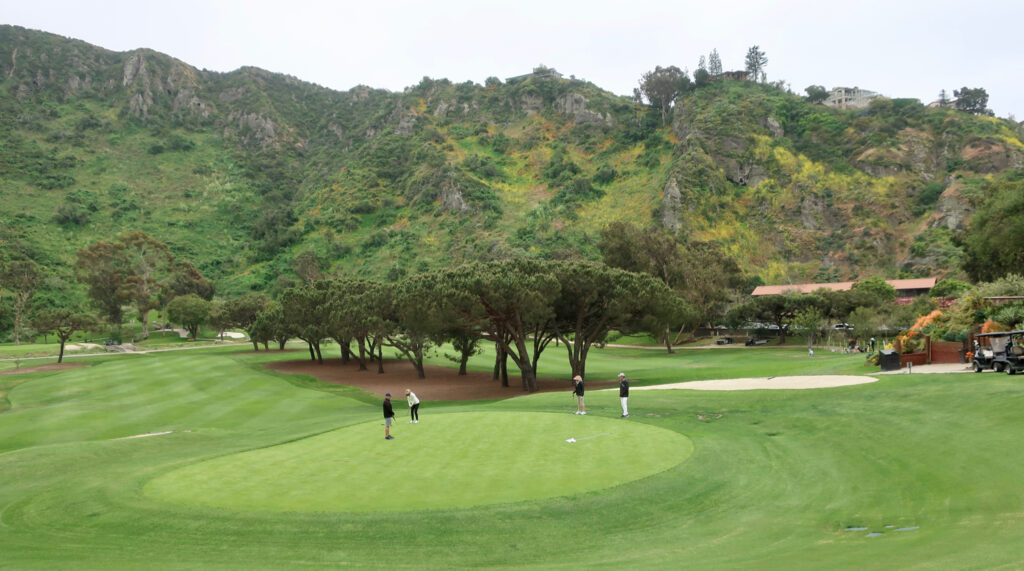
(389, 415)
(577, 389)
(414, 406)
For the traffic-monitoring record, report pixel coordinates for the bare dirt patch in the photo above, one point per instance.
(441, 384)
(42, 368)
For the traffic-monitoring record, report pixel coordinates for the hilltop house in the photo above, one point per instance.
(850, 98)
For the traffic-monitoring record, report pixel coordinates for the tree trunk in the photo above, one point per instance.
(497, 362)
(255, 346)
(346, 351)
(312, 354)
(60, 357)
(380, 358)
(319, 355)
(144, 318)
(462, 364)
(668, 342)
(362, 353)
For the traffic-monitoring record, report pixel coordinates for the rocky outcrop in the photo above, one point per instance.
(952, 210)
(252, 130)
(672, 206)
(530, 104)
(575, 105)
(990, 156)
(452, 199)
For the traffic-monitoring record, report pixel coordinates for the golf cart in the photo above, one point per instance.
(1000, 351)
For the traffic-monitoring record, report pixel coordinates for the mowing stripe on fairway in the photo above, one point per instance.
(454, 460)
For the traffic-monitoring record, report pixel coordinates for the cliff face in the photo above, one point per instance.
(261, 166)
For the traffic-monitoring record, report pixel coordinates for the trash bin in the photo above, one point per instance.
(889, 360)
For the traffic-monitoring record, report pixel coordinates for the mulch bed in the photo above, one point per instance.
(441, 384)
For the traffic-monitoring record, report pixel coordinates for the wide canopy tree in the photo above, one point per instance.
(595, 298)
(504, 300)
(63, 322)
(190, 311)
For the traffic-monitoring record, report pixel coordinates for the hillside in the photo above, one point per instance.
(254, 175)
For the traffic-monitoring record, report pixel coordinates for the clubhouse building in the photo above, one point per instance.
(906, 290)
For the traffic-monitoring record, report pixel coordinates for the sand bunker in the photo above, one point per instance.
(808, 382)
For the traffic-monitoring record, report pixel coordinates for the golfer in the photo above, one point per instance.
(577, 389)
(389, 415)
(624, 394)
(414, 407)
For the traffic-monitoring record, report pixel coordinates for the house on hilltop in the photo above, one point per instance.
(906, 290)
(539, 72)
(737, 75)
(850, 98)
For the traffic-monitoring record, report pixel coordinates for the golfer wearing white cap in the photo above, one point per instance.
(624, 394)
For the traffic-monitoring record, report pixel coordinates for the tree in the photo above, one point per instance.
(354, 314)
(21, 278)
(307, 266)
(413, 318)
(100, 266)
(873, 291)
(504, 300)
(949, 287)
(595, 298)
(271, 326)
(943, 99)
(63, 322)
(992, 244)
(778, 310)
(147, 262)
(714, 64)
(661, 87)
(973, 101)
(699, 272)
(190, 311)
(185, 278)
(243, 312)
(816, 93)
(811, 321)
(756, 62)
(307, 313)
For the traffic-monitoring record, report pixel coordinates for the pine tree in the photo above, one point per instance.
(756, 60)
(714, 63)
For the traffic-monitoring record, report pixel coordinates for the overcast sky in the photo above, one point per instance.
(899, 48)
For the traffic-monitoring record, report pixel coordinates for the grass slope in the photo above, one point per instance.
(775, 480)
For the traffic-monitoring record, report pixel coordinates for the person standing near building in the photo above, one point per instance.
(624, 394)
(577, 389)
(414, 406)
(389, 415)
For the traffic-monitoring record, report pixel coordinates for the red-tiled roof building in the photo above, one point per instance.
(905, 289)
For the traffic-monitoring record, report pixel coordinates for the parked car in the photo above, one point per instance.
(1001, 351)
(755, 341)
(723, 341)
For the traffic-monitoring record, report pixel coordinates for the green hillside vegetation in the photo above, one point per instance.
(251, 174)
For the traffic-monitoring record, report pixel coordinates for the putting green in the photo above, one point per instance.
(446, 461)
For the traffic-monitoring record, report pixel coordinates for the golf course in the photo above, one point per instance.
(209, 459)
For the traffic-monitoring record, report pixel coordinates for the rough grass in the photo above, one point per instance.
(777, 479)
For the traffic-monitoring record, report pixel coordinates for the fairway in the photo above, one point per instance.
(454, 460)
(245, 467)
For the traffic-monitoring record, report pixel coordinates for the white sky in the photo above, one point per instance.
(899, 48)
